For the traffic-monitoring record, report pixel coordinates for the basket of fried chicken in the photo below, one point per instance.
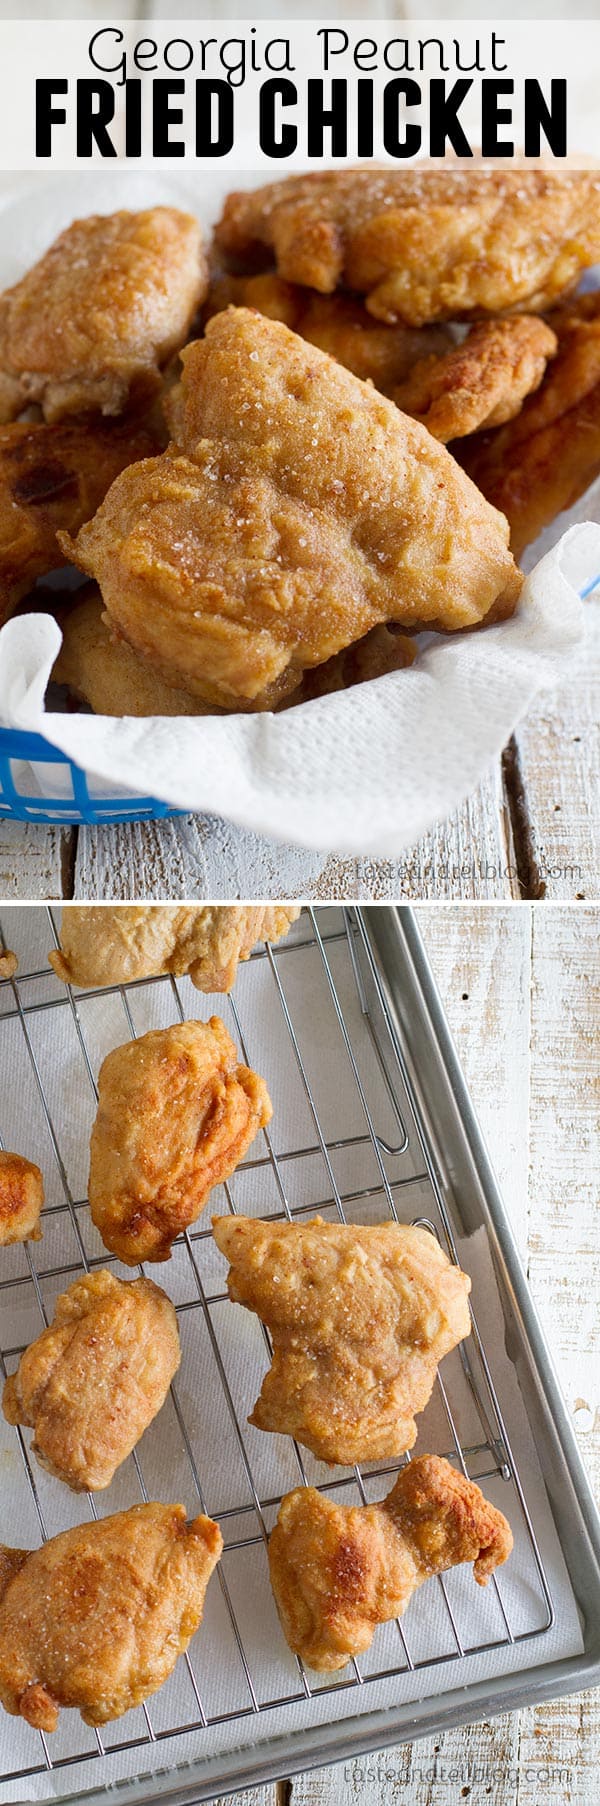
(265, 492)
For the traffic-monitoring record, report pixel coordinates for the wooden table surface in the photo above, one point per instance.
(521, 988)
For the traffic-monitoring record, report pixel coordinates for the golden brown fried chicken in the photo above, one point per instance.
(338, 324)
(339, 1571)
(51, 477)
(8, 963)
(144, 940)
(482, 382)
(98, 1617)
(382, 650)
(104, 671)
(544, 460)
(423, 243)
(176, 1114)
(90, 326)
(359, 1319)
(93, 1381)
(21, 1199)
(296, 510)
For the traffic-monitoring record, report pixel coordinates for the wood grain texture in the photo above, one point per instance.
(520, 988)
(35, 862)
(190, 856)
(200, 856)
(559, 758)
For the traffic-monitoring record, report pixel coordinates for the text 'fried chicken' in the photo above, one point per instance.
(339, 1571)
(176, 1113)
(359, 1318)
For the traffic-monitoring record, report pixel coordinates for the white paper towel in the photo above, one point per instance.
(365, 771)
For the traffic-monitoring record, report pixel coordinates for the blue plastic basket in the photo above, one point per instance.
(17, 804)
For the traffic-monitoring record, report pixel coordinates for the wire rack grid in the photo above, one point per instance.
(379, 1166)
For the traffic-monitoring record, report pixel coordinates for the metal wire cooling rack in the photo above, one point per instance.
(299, 1011)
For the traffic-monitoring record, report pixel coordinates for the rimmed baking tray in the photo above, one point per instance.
(371, 1119)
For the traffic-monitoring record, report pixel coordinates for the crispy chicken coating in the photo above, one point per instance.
(482, 382)
(8, 963)
(55, 477)
(176, 1114)
(339, 1571)
(422, 243)
(105, 672)
(144, 940)
(359, 1318)
(93, 1381)
(21, 1198)
(296, 509)
(90, 326)
(382, 650)
(544, 460)
(338, 324)
(98, 1617)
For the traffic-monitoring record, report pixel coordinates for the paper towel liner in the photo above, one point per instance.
(364, 771)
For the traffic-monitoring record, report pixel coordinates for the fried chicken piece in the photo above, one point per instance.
(544, 460)
(296, 510)
(105, 672)
(422, 243)
(145, 940)
(359, 1317)
(56, 476)
(382, 650)
(98, 1617)
(21, 1198)
(93, 1381)
(176, 1114)
(338, 324)
(8, 963)
(339, 1571)
(482, 382)
(93, 322)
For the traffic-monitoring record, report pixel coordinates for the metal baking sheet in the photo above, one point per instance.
(371, 1120)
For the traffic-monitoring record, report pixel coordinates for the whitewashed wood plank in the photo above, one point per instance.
(559, 756)
(560, 1753)
(252, 1796)
(433, 1772)
(190, 856)
(35, 862)
(481, 960)
(470, 855)
(564, 1241)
